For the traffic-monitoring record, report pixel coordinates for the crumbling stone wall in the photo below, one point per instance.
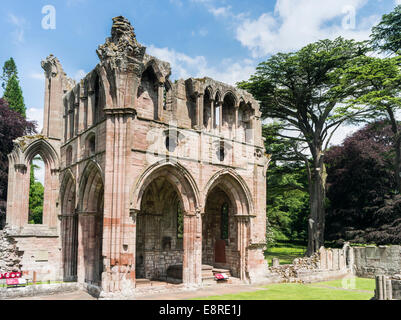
(325, 261)
(2, 214)
(10, 259)
(290, 271)
(371, 261)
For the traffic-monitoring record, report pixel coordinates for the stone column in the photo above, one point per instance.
(212, 115)
(118, 251)
(69, 225)
(18, 194)
(130, 239)
(236, 124)
(192, 262)
(82, 111)
(220, 104)
(199, 109)
(243, 242)
(160, 101)
(89, 115)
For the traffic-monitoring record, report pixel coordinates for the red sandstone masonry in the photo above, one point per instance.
(113, 205)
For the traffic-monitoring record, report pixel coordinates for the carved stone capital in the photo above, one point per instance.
(133, 213)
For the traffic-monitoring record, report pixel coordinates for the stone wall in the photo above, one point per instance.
(10, 259)
(325, 264)
(371, 261)
(39, 251)
(3, 206)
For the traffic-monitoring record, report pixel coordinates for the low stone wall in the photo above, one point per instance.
(371, 261)
(327, 264)
(37, 290)
(10, 259)
(33, 250)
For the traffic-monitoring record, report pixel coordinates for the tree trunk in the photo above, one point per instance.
(317, 195)
(397, 146)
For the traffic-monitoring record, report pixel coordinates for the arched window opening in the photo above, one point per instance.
(224, 221)
(68, 156)
(180, 222)
(90, 145)
(65, 119)
(171, 143)
(36, 191)
(207, 110)
(96, 108)
(228, 111)
(148, 94)
(221, 152)
(71, 116)
(245, 113)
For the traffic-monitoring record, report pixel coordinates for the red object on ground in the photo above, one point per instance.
(12, 282)
(10, 275)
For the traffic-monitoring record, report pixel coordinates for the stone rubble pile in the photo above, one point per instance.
(10, 260)
(290, 272)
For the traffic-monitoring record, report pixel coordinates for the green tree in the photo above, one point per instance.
(36, 192)
(13, 95)
(287, 197)
(386, 36)
(377, 84)
(9, 69)
(303, 90)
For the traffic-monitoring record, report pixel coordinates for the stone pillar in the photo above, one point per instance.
(236, 124)
(82, 108)
(55, 83)
(243, 242)
(212, 110)
(220, 104)
(275, 262)
(89, 115)
(199, 110)
(118, 249)
(18, 194)
(192, 262)
(69, 235)
(160, 101)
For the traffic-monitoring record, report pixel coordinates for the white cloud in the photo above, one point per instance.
(184, 66)
(35, 114)
(80, 74)
(176, 2)
(37, 76)
(397, 2)
(20, 24)
(297, 23)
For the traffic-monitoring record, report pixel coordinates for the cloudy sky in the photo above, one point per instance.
(222, 39)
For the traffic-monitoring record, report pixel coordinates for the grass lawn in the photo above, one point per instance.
(286, 252)
(360, 289)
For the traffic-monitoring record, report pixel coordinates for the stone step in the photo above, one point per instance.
(143, 283)
(226, 271)
(207, 267)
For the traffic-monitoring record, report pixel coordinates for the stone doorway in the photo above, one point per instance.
(160, 234)
(90, 227)
(219, 234)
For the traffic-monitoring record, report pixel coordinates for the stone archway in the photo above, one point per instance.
(226, 224)
(69, 228)
(90, 225)
(159, 238)
(161, 192)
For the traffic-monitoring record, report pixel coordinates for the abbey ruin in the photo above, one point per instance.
(145, 179)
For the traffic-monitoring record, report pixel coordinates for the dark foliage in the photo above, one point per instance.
(363, 205)
(12, 126)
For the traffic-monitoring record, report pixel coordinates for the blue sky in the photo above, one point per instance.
(223, 39)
